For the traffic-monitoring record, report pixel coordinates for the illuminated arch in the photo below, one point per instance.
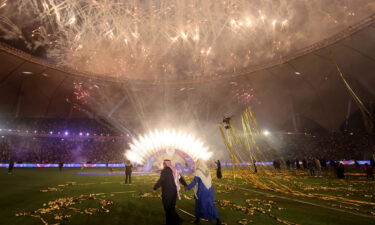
(154, 162)
(146, 145)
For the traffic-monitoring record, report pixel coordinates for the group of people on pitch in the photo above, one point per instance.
(169, 182)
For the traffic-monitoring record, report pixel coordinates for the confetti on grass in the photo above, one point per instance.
(51, 211)
(252, 207)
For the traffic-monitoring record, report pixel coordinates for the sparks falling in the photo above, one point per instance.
(172, 39)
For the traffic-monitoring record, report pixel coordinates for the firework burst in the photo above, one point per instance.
(172, 39)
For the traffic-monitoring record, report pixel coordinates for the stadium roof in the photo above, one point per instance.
(305, 83)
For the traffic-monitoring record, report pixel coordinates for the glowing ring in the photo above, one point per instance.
(144, 146)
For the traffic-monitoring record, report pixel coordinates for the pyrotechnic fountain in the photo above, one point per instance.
(170, 142)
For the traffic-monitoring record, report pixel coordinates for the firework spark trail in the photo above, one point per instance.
(172, 39)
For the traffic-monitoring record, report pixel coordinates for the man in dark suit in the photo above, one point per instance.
(169, 182)
(10, 167)
(128, 172)
(219, 175)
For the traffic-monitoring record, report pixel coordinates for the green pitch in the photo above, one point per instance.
(46, 196)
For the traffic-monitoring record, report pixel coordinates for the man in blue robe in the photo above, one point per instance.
(204, 194)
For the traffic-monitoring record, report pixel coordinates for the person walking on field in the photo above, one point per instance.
(169, 182)
(318, 166)
(311, 166)
(61, 165)
(372, 161)
(10, 167)
(128, 172)
(341, 171)
(369, 172)
(219, 175)
(255, 165)
(204, 194)
(298, 166)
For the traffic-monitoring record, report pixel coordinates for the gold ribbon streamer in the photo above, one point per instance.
(366, 114)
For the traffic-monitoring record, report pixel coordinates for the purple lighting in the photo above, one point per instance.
(50, 133)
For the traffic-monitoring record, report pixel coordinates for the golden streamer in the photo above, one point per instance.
(366, 114)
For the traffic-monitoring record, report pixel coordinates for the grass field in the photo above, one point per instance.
(46, 196)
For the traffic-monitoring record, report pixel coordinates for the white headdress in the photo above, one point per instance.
(203, 172)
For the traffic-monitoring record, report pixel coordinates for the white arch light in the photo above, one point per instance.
(146, 145)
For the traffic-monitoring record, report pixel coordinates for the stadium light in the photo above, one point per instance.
(266, 133)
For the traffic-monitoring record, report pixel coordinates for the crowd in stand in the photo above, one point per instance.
(45, 126)
(335, 146)
(55, 150)
(40, 146)
(319, 153)
(324, 147)
(52, 149)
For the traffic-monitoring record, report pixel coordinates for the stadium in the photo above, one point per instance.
(187, 112)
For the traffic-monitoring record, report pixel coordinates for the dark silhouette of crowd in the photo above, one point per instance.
(105, 144)
(319, 153)
(56, 150)
(337, 146)
(45, 125)
(45, 141)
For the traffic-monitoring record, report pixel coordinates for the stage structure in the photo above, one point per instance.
(181, 148)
